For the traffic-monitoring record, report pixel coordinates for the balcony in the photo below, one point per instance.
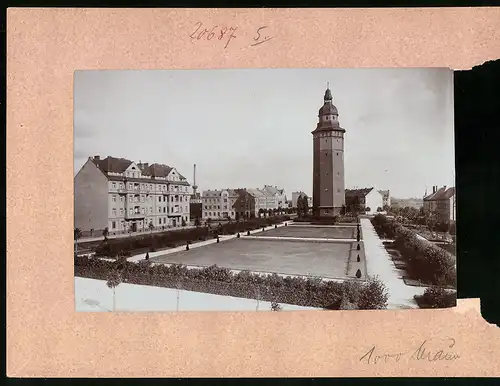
(134, 215)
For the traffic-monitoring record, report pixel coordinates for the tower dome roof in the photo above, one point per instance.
(327, 109)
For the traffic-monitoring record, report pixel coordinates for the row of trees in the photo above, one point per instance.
(312, 292)
(414, 216)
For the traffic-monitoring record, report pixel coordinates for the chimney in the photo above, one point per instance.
(434, 189)
(145, 164)
(444, 187)
(97, 157)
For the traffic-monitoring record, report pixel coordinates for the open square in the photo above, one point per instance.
(328, 260)
(312, 232)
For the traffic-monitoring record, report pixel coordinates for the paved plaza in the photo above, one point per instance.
(312, 232)
(328, 260)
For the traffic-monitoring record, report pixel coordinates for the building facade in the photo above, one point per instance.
(218, 204)
(441, 204)
(244, 206)
(328, 161)
(386, 196)
(124, 196)
(366, 200)
(260, 200)
(275, 197)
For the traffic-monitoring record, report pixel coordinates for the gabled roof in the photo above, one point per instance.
(218, 193)
(157, 170)
(112, 165)
(357, 192)
(384, 193)
(119, 165)
(256, 193)
(440, 194)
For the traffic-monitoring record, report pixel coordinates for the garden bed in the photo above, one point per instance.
(311, 292)
(154, 241)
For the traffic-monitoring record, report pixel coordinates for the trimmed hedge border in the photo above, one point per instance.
(309, 292)
(426, 261)
(317, 220)
(437, 297)
(154, 241)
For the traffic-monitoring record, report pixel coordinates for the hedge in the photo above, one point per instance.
(310, 292)
(437, 297)
(323, 220)
(172, 239)
(425, 260)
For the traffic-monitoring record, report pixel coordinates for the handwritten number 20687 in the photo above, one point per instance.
(215, 32)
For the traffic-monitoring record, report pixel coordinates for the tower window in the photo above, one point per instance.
(337, 153)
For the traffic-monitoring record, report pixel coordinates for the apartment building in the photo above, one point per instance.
(386, 197)
(295, 198)
(275, 197)
(245, 205)
(260, 199)
(365, 200)
(441, 203)
(125, 196)
(219, 204)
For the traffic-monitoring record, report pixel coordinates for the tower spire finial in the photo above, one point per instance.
(328, 85)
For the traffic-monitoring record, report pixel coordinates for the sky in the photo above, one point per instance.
(252, 127)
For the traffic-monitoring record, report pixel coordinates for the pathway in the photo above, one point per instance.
(380, 264)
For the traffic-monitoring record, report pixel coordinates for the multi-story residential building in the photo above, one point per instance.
(195, 207)
(260, 199)
(295, 198)
(218, 204)
(365, 200)
(275, 197)
(386, 197)
(441, 203)
(125, 196)
(244, 207)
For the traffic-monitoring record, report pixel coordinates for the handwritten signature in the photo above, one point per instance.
(422, 353)
(226, 34)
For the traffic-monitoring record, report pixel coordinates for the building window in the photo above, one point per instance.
(114, 198)
(159, 210)
(130, 199)
(159, 220)
(159, 198)
(338, 190)
(164, 210)
(114, 212)
(337, 153)
(113, 224)
(150, 210)
(164, 198)
(121, 199)
(113, 185)
(121, 211)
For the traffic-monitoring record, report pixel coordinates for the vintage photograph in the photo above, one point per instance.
(264, 190)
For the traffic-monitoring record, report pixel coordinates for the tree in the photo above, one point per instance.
(77, 234)
(196, 221)
(183, 222)
(114, 279)
(105, 233)
(151, 226)
(261, 211)
(368, 209)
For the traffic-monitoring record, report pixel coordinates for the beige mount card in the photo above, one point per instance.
(47, 338)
